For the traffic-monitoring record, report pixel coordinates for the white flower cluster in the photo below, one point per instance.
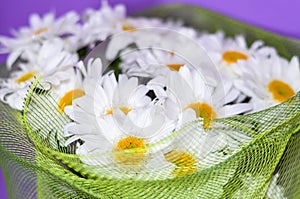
(170, 75)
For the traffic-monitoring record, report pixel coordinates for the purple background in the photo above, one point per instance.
(280, 16)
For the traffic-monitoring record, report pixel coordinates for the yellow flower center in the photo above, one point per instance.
(68, 98)
(125, 109)
(174, 67)
(25, 77)
(204, 111)
(109, 111)
(185, 162)
(127, 27)
(233, 56)
(134, 156)
(40, 31)
(281, 91)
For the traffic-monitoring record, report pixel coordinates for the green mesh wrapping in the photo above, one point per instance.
(36, 165)
(267, 142)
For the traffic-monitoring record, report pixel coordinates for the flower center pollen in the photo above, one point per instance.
(280, 90)
(204, 111)
(134, 156)
(68, 98)
(184, 161)
(233, 56)
(125, 109)
(25, 77)
(126, 27)
(109, 111)
(174, 67)
(40, 31)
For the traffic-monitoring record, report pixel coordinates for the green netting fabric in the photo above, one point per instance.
(262, 158)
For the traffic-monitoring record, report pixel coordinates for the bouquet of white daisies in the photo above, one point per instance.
(108, 106)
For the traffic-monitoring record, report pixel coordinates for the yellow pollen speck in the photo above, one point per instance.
(40, 31)
(125, 109)
(25, 77)
(132, 157)
(233, 56)
(129, 28)
(280, 90)
(174, 67)
(68, 98)
(184, 161)
(204, 111)
(109, 111)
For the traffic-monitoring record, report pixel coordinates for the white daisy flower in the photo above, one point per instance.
(226, 52)
(268, 81)
(105, 143)
(162, 54)
(190, 96)
(40, 29)
(50, 107)
(11, 94)
(51, 59)
(97, 113)
(111, 97)
(182, 153)
(68, 90)
(138, 36)
(99, 24)
(145, 33)
(53, 65)
(195, 148)
(150, 62)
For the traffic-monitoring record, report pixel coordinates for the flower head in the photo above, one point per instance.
(268, 81)
(40, 30)
(190, 96)
(226, 52)
(52, 63)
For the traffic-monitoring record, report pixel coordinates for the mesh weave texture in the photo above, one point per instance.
(36, 165)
